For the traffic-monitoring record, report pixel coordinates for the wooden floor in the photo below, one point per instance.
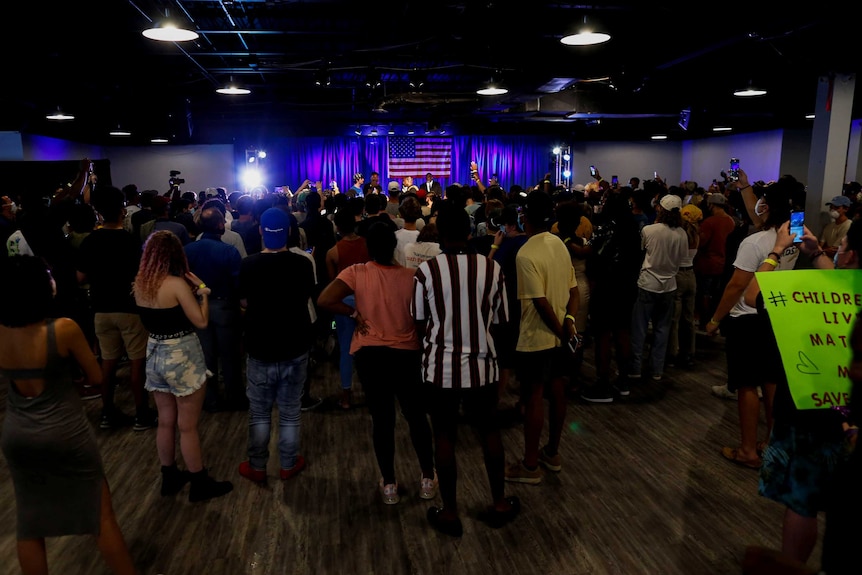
(643, 490)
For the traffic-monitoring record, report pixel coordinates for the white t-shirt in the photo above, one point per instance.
(417, 252)
(752, 251)
(404, 237)
(666, 248)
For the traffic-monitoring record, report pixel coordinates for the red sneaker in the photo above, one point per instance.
(297, 467)
(247, 471)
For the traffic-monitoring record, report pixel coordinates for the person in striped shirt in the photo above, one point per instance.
(458, 297)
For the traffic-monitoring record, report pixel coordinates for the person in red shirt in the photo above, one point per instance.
(709, 262)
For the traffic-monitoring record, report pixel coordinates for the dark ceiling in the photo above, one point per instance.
(90, 59)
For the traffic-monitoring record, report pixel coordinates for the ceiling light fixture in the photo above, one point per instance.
(167, 31)
(722, 129)
(119, 131)
(585, 36)
(233, 89)
(749, 91)
(59, 116)
(159, 141)
(658, 137)
(810, 116)
(492, 89)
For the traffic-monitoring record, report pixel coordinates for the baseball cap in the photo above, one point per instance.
(717, 199)
(394, 187)
(274, 225)
(671, 202)
(839, 201)
(691, 213)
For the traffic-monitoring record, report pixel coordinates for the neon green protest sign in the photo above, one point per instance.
(812, 314)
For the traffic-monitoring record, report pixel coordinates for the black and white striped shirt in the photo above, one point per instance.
(460, 296)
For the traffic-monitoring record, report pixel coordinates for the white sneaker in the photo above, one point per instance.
(722, 392)
(428, 487)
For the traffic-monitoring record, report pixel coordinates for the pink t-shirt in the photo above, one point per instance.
(383, 297)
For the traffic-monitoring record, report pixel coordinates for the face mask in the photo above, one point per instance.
(760, 207)
(834, 214)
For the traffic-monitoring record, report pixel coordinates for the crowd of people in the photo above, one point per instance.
(210, 299)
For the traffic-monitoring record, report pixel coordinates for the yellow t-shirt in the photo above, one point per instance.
(544, 269)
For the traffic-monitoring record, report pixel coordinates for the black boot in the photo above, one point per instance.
(173, 479)
(205, 487)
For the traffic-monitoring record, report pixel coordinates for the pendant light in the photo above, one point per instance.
(586, 35)
(169, 31)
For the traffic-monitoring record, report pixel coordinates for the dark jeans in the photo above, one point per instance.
(274, 383)
(387, 374)
(221, 342)
(480, 407)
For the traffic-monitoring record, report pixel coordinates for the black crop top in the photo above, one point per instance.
(165, 323)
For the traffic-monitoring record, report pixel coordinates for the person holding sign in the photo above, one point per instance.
(806, 446)
(753, 359)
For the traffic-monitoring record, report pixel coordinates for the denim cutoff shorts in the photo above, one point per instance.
(175, 365)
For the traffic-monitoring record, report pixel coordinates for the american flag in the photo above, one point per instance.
(409, 156)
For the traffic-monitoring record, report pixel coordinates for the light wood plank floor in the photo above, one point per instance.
(643, 490)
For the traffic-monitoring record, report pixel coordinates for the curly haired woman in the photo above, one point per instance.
(173, 302)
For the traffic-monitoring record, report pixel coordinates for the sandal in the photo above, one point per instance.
(732, 454)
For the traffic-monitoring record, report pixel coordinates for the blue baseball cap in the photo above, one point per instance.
(842, 201)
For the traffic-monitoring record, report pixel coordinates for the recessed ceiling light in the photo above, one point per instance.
(119, 132)
(159, 141)
(810, 116)
(721, 129)
(658, 137)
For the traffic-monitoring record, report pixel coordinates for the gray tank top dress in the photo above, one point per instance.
(52, 453)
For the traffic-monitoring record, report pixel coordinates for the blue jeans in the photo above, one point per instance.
(344, 327)
(658, 308)
(268, 383)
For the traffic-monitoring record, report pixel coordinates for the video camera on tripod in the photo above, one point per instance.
(174, 181)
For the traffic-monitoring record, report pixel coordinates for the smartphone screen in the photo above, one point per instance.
(734, 169)
(615, 181)
(796, 221)
(593, 171)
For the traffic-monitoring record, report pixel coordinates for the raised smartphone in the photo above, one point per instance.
(796, 225)
(593, 171)
(734, 169)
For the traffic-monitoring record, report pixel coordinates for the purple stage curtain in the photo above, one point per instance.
(521, 160)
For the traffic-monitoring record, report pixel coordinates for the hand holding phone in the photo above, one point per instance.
(797, 220)
(572, 344)
(734, 169)
(615, 181)
(593, 171)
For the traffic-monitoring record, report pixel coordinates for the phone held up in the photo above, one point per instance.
(593, 171)
(797, 220)
(615, 181)
(734, 169)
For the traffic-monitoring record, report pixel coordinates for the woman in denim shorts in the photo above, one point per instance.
(173, 302)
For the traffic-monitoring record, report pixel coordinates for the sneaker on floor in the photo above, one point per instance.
(309, 402)
(656, 377)
(621, 386)
(252, 474)
(146, 421)
(293, 471)
(428, 487)
(598, 393)
(116, 420)
(518, 473)
(389, 492)
(722, 392)
(551, 463)
(451, 527)
(89, 392)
